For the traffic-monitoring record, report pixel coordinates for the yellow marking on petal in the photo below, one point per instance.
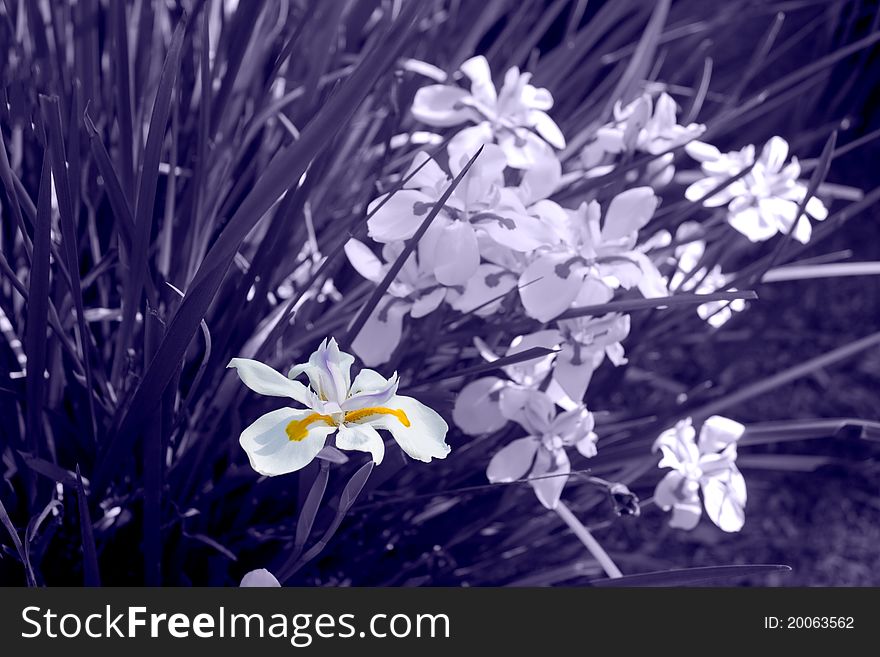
(297, 430)
(361, 413)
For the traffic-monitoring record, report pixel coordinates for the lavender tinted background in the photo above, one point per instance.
(402, 531)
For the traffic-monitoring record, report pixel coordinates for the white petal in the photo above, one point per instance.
(399, 218)
(424, 437)
(458, 255)
(775, 153)
(541, 180)
(270, 450)
(264, 380)
(628, 212)
(513, 461)
(724, 496)
(476, 409)
(364, 260)
(381, 333)
(667, 491)
(441, 105)
(465, 143)
(427, 303)
(686, 515)
(488, 283)
(524, 149)
(424, 173)
(259, 578)
(547, 128)
(549, 488)
(518, 232)
(718, 432)
(544, 292)
(370, 388)
(702, 152)
(816, 209)
(752, 224)
(575, 378)
(362, 438)
(482, 87)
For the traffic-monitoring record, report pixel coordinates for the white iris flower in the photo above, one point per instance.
(542, 453)
(287, 439)
(765, 201)
(707, 466)
(515, 117)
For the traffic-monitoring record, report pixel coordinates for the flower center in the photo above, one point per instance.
(297, 430)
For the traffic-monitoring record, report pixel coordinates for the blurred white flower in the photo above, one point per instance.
(592, 259)
(708, 466)
(479, 407)
(414, 292)
(584, 345)
(288, 439)
(765, 201)
(260, 578)
(542, 453)
(515, 117)
(479, 205)
(641, 126)
(689, 277)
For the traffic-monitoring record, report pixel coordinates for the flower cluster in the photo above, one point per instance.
(508, 239)
(502, 237)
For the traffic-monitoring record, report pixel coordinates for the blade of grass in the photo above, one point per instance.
(807, 272)
(7, 177)
(115, 195)
(286, 167)
(52, 117)
(786, 376)
(349, 496)
(146, 198)
(636, 71)
(16, 541)
(122, 88)
(38, 310)
(521, 357)
(690, 576)
(629, 305)
(767, 433)
(153, 458)
(90, 555)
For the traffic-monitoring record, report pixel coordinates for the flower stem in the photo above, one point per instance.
(599, 554)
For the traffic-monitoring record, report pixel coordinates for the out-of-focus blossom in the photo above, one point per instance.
(414, 292)
(542, 453)
(480, 407)
(260, 578)
(515, 117)
(287, 439)
(765, 201)
(592, 260)
(479, 205)
(689, 277)
(641, 126)
(707, 465)
(585, 343)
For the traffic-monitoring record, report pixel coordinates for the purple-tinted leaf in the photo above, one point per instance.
(690, 576)
(90, 554)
